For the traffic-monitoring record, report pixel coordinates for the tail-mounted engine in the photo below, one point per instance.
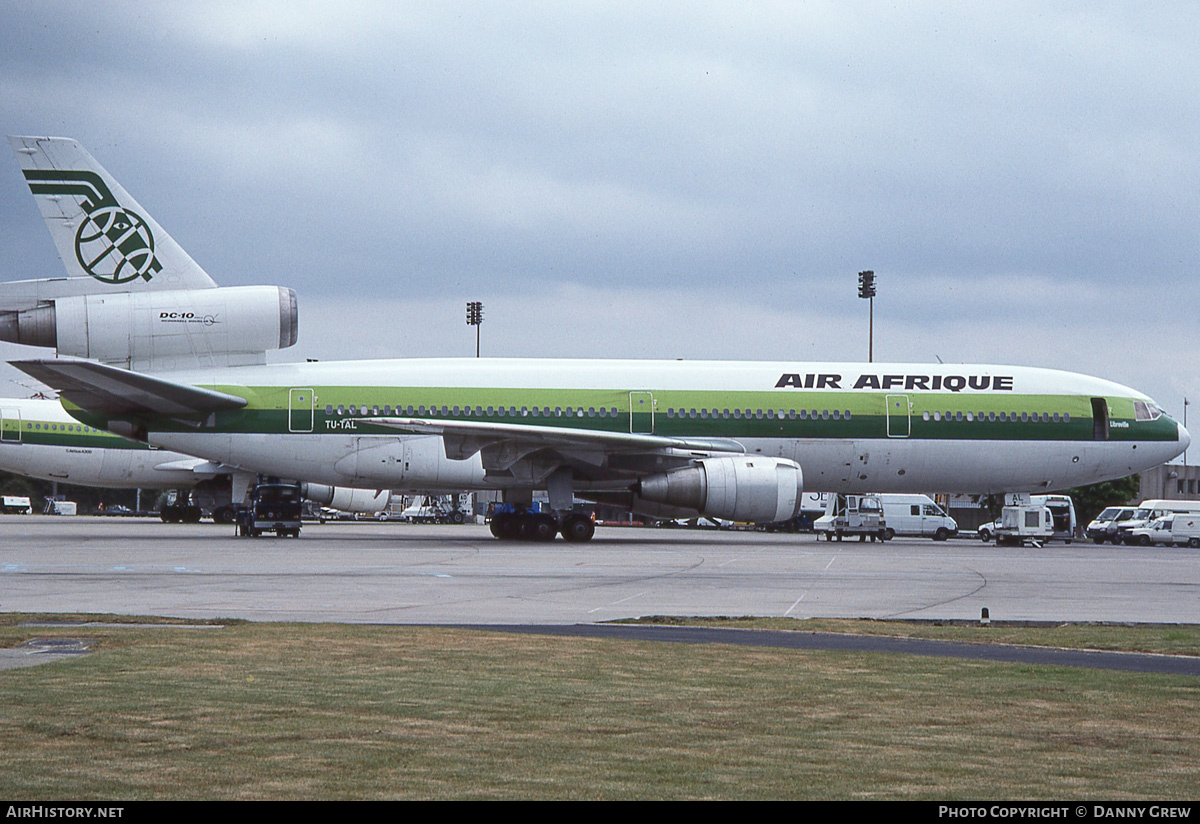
(226, 326)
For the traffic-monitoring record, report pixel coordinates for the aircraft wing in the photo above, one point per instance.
(465, 438)
(119, 393)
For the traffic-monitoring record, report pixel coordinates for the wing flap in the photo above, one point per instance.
(465, 438)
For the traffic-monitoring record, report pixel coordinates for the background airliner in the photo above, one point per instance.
(38, 439)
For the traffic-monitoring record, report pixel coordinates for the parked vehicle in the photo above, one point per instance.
(1023, 522)
(432, 509)
(916, 515)
(851, 515)
(16, 505)
(906, 515)
(1104, 526)
(1157, 531)
(1185, 529)
(273, 508)
(1062, 517)
(1147, 511)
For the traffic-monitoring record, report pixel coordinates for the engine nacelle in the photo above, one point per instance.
(347, 499)
(177, 328)
(742, 488)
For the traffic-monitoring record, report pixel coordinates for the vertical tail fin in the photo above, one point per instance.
(100, 231)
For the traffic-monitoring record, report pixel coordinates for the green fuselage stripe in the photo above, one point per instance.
(824, 414)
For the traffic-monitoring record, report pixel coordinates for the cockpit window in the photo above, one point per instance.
(1146, 411)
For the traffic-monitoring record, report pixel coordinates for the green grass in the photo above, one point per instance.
(334, 711)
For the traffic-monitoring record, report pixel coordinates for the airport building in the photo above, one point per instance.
(1170, 482)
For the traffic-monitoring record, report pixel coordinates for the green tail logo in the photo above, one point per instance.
(113, 244)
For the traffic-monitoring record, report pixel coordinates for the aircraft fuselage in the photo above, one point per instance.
(851, 427)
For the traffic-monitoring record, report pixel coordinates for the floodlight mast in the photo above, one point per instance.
(866, 289)
(475, 318)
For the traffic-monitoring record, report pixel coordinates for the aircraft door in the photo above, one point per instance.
(641, 413)
(10, 425)
(300, 410)
(1099, 419)
(899, 416)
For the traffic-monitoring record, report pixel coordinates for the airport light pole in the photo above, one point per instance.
(475, 318)
(866, 289)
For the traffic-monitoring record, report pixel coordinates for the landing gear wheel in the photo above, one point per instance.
(504, 527)
(577, 529)
(535, 527)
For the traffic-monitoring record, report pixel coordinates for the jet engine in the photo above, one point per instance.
(347, 499)
(742, 488)
(226, 326)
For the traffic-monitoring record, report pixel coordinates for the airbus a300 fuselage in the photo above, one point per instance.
(39, 439)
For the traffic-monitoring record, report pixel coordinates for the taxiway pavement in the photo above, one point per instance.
(399, 573)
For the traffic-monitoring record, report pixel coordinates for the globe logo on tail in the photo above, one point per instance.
(113, 244)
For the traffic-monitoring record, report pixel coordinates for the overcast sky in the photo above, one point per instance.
(695, 180)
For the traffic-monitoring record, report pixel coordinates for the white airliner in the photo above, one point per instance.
(728, 439)
(38, 439)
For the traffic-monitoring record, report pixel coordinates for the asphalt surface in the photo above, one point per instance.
(457, 575)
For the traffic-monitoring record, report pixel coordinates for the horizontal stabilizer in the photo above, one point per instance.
(197, 466)
(119, 393)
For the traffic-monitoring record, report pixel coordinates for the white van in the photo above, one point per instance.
(916, 515)
(1150, 509)
(1062, 514)
(1158, 531)
(1104, 527)
(1185, 529)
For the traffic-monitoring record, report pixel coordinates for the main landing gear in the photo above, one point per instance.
(524, 525)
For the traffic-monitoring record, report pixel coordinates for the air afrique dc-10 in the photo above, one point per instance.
(733, 440)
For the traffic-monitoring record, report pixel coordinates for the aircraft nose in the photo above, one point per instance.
(1184, 438)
